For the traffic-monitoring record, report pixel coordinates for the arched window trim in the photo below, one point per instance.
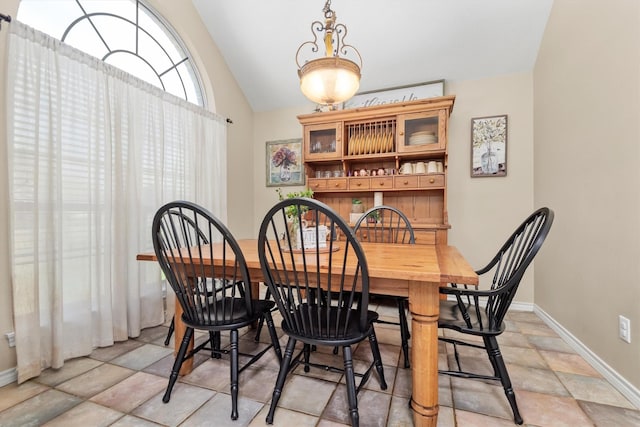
(164, 25)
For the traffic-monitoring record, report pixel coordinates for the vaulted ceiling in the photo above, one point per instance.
(401, 42)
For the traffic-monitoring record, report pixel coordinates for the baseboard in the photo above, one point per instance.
(627, 389)
(9, 376)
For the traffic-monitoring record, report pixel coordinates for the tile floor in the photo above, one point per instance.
(123, 385)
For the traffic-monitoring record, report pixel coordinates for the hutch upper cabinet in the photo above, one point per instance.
(394, 154)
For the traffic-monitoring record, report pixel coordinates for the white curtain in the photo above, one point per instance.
(93, 153)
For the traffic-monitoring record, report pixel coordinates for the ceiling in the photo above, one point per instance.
(401, 42)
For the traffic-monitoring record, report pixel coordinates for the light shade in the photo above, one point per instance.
(329, 80)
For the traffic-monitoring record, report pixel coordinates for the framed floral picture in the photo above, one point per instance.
(284, 163)
(489, 146)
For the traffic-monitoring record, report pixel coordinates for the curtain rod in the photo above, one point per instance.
(4, 18)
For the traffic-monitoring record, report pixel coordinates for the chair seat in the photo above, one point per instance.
(235, 314)
(451, 318)
(316, 317)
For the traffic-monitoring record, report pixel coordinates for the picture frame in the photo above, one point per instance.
(393, 95)
(284, 163)
(489, 146)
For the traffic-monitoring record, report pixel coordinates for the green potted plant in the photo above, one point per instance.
(357, 206)
(292, 211)
(373, 217)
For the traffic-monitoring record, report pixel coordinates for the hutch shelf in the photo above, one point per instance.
(394, 153)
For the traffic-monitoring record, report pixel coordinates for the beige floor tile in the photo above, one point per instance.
(549, 343)
(105, 354)
(464, 418)
(12, 394)
(257, 384)
(131, 392)
(593, 389)
(85, 414)
(606, 415)
(285, 418)
(554, 386)
(131, 421)
(185, 400)
(401, 415)
(96, 380)
(296, 394)
(480, 397)
(214, 374)
(536, 380)
(547, 410)
(217, 411)
(71, 368)
(39, 409)
(142, 357)
(569, 363)
(373, 407)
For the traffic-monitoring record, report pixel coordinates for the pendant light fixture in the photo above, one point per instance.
(329, 79)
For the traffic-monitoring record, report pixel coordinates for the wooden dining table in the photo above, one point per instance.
(413, 271)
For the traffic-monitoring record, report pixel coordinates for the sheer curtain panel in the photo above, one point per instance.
(93, 153)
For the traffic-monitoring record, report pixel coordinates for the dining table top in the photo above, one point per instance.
(422, 263)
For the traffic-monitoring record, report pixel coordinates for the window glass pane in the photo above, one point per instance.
(157, 30)
(117, 33)
(124, 8)
(82, 36)
(152, 52)
(190, 83)
(137, 67)
(49, 16)
(158, 46)
(172, 83)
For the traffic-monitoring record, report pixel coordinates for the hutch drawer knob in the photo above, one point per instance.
(337, 184)
(432, 180)
(382, 184)
(405, 183)
(359, 184)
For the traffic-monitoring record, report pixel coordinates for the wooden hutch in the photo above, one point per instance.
(340, 145)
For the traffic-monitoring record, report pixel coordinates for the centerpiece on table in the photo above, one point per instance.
(304, 231)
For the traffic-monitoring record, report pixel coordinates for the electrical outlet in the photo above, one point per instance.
(624, 329)
(11, 337)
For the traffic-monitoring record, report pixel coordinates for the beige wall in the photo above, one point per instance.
(229, 101)
(483, 212)
(587, 152)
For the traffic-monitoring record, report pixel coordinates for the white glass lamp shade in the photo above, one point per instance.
(329, 80)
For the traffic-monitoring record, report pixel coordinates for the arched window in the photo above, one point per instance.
(127, 34)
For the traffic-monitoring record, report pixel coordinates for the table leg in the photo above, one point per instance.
(179, 330)
(424, 306)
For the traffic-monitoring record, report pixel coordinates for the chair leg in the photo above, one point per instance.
(234, 374)
(404, 331)
(274, 336)
(284, 369)
(267, 295)
(350, 379)
(214, 338)
(307, 354)
(177, 364)
(493, 350)
(377, 358)
(172, 327)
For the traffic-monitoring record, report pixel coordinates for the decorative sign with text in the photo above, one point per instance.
(394, 95)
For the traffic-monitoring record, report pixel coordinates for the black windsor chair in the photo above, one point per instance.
(318, 308)
(213, 298)
(481, 312)
(386, 224)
